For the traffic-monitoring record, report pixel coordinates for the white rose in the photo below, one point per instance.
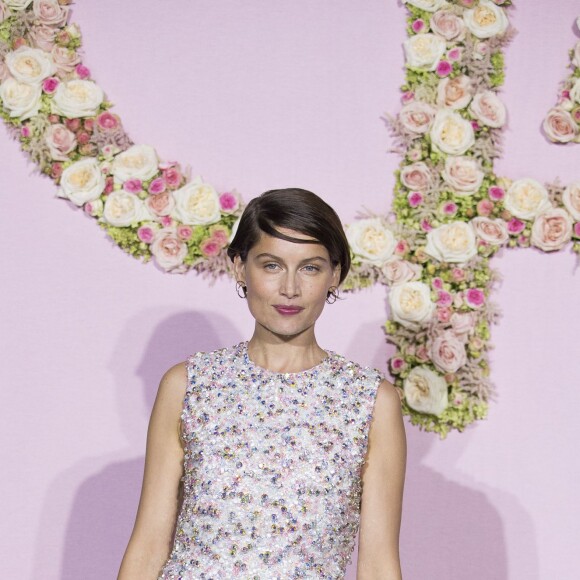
(137, 162)
(575, 91)
(417, 117)
(526, 198)
(552, 229)
(493, 232)
(371, 240)
(82, 181)
(399, 271)
(426, 391)
(411, 304)
(448, 25)
(197, 203)
(77, 98)
(453, 242)
(417, 176)
(571, 199)
(447, 352)
(424, 51)
(487, 108)
(123, 209)
(463, 174)
(576, 56)
(168, 250)
(18, 4)
(29, 65)
(486, 19)
(451, 133)
(427, 5)
(455, 93)
(20, 99)
(559, 125)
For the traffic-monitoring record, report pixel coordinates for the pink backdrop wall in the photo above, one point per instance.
(255, 95)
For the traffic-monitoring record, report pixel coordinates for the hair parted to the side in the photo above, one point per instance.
(294, 209)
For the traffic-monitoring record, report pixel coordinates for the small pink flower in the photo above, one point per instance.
(426, 226)
(476, 126)
(49, 85)
(109, 185)
(458, 274)
(444, 314)
(397, 364)
(402, 247)
(53, 119)
(454, 54)
(515, 226)
(437, 283)
(485, 207)
(25, 132)
(56, 170)
(496, 193)
(82, 71)
(444, 68)
(415, 198)
(89, 125)
(107, 121)
(407, 97)
(73, 124)
(157, 186)
(83, 137)
(576, 115)
(444, 298)
(184, 232)
(228, 202)
(63, 37)
(133, 185)
(210, 248)
(172, 177)
(450, 208)
(475, 298)
(18, 42)
(415, 154)
(422, 354)
(524, 241)
(418, 25)
(88, 208)
(166, 220)
(146, 234)
(577, 229)
(221, 236)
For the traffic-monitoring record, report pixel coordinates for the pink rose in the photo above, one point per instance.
(493, 232)
(157, 186)
(454, 54)
(415, 198)
(444, 68)
(82, 71)
(444, 298)
(515, 226)
(449, 208)
(437, 283)
(422, 354)
(56, 170)
(458, 274)
(50, 12)
(571, 199)
(448, 25)
(168, 250)
(73, 124)
(398, 271)
(60, 141)
(109, 185)
(577, 230)
(447, 352)
(160, 204)
(146, 234)
(426, 225)
(559, 126)
(65, 60)
(418, 25)
(42, 37)
(25, 132)
(474, 297)
(229, 202)
(407, 97)
(166, 221)
(397, 364)
(417, 117)
(401, 248)
(89, 124)
(443, 313)
(455, 93)
(552, 230)
(220, 235)
(184, 232)
(463, 174)
(83, 137)
(172, 177)
(496, 193)
(417, 176)
(108, 121)
(210, 248)
(485, 207)
(487, 108)
(462, 324)
(133, 185)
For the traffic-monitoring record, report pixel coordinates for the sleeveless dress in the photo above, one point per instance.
(271, 484)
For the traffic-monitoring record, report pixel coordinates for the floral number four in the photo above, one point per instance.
(450, 213)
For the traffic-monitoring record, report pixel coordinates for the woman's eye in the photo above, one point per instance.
(311, 268)
(271, 266)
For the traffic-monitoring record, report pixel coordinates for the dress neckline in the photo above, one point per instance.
(306, 372)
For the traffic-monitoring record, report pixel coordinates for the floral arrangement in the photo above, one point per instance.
(451, 213)
(562, 123)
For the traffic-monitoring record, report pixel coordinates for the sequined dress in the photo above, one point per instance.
(271, 484)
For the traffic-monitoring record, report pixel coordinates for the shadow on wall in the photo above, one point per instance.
(106, 499)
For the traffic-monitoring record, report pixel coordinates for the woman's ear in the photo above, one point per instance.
(336, 275)
(239, 269)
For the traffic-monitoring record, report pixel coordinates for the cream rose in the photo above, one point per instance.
(424, 51)
(493, 232)
(451, 133)
(448, 25)
(411, 305)
(417, 176)
(426, 391)
(18, 4)
(552, 229)
(137, 162)
(197, 203)
(82, 181)
(571, 199)
(43, 37)
(453, 242)
(29, 65)
(65, 60)
(486, 19)
(399, 271)
(526, 198)
(123, 209)
(60, 141)
(463, 174)
(371, 240)
(77, 98)
(427, 5)
(455, 93)
(416, 117)
(168, 250)
(487, 108)
(576, 56)
(160, 204)
(20, 99)
(559, 126)
(448, 352)
(463, 324)
(50, 12)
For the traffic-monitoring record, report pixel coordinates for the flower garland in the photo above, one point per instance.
(562, 123)
(451, 213)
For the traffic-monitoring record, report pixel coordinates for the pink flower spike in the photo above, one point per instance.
(25, 132)
(454, 54)
(496, 193)
(157, 186)
(577, 229)
(437, 283)
(145, 234)
(415, 198)
(515, 226)
(133, 186)
(166, 220)
(475, 298)
(418, 25)
(49, 85)
(450, 208)
(407, 97)
(444, 68)
(82, 71)
(426, 226)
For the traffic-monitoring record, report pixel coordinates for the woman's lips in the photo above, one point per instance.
(288, 310)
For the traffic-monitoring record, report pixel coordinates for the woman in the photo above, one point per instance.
(282, 448)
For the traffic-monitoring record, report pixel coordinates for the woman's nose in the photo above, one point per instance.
(289, 285)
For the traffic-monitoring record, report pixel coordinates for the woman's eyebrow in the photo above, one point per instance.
(273, 257)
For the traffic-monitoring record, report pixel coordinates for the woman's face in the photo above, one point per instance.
(287, 283)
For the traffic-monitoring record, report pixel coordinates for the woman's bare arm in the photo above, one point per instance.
(151, 540)
(382, 497)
